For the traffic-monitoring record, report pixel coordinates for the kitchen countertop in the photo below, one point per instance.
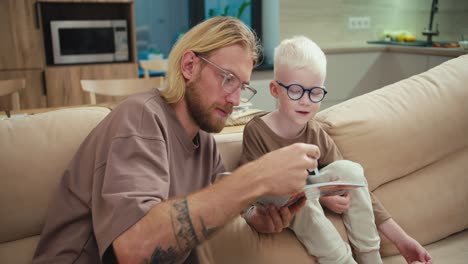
(357, 47)
(364, 47)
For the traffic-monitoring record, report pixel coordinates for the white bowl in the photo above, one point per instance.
(463, 44)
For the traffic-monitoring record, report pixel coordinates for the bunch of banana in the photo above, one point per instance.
(398, 35)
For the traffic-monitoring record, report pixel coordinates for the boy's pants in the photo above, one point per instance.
(320, 236)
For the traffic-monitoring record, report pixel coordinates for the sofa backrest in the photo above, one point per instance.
(412, 139)
(230, 148)
(34, 152)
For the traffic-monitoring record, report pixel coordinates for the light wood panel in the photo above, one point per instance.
(156, 64)
(32, 96)
(86, 1)
(12, 88)
(63, 83)
(119, 87)
(21, 41)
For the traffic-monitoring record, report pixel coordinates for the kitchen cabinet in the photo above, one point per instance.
(353, 74)
(23, 53)
(21, 45)
(85, 11)
(63, 86)
(30, 97)
(63, 83)
(260, 80)
(350, 74)
(399, 66)
(433, 61)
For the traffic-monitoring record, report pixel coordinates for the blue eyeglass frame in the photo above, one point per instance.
(303, 91)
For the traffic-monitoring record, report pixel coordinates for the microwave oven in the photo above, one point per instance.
(89, 41)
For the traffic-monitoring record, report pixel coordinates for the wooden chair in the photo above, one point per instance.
(119, 87)
(156, 64)
(12, 87)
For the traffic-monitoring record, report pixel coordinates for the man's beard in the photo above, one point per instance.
(200, 112)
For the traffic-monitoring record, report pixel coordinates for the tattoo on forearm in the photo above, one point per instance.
(206, 232)
(184, 232)
(162, 256)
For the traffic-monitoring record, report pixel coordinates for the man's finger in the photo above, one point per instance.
(275, 217)
(294, 208)
(285, 216)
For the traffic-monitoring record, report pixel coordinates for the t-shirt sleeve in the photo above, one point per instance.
(380, 213)
(329, 151)
(133, 179)
(252, 147)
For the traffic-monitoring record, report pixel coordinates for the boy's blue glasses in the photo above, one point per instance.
(296, 91)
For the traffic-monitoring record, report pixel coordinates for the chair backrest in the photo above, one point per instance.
(156, 64)
(119, 87)
(12, 87)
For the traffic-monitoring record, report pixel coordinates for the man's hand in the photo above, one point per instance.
(272, 220)
(336, 203)
(284, 171)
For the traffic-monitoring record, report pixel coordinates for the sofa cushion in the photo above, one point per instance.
(451, 250)
(404, 126)
(237, 242)
(34, 152)
(411, 138)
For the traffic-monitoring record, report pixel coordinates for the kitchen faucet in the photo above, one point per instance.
(429, 32)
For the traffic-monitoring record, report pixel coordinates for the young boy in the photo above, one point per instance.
(299, 72)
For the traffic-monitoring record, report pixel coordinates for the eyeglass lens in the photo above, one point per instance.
(296, 92)
(231, 83)
(246, 94)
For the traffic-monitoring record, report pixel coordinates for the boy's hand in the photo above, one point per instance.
(336, 203)
(272, 220)
(413, 252)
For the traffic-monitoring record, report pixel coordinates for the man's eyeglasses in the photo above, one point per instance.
(296, 91)
(231, 82)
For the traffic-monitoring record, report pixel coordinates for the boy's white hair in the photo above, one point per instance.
(300, 52)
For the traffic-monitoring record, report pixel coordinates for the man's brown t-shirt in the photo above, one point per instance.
(138, 156)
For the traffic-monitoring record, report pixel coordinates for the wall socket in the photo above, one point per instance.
(358, 22)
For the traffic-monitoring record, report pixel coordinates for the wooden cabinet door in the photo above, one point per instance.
(21, 46)
(32, 96)
(64, 87)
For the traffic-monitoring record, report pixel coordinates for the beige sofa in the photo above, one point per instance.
(411, 137)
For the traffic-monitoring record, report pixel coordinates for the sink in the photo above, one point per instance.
(418, 43)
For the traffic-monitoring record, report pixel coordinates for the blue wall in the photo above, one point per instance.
(159, 23)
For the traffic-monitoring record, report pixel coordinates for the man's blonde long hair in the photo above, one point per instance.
(212, 34)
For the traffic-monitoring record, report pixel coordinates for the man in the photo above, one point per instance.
(140, 188)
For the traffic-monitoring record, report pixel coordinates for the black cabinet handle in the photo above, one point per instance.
(37, 11)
